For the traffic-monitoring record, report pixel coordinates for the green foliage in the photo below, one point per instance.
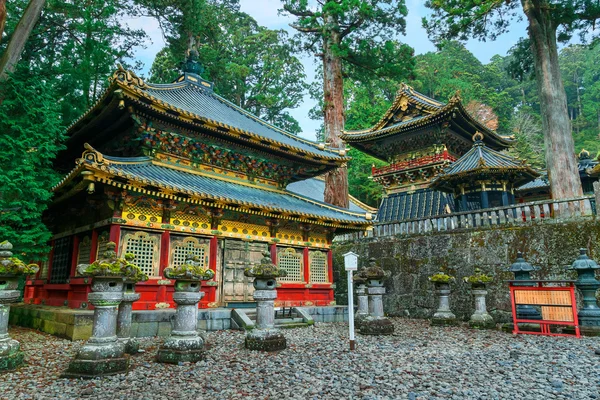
(250, 65)
(31, 136)
(441, 277)
(111, 265)
(478, 278)
(191, 269)
(12, 265)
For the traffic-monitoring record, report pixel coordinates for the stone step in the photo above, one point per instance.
(292, 325)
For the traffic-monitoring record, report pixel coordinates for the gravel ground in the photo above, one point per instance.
(418, 362)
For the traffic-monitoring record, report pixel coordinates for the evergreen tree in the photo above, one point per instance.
(350, 36)
(30, 133)
(549, 21)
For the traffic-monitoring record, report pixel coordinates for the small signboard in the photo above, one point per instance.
(351, 261)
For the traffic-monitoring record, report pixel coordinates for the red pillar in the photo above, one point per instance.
(274, 253)
(94, 248)
(165, 244)
(330, 264)
(306, 265)
(115, 234)
(74, 255)
(212, 253)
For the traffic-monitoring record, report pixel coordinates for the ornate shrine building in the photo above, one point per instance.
(165, 170)
(419, 137)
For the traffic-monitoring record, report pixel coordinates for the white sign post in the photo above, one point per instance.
(351, 264)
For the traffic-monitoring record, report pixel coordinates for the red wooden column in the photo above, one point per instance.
(330, 265)
(74, 255)
(213, 250)
(115, 235)
(274, 253)
(94, 246)
(165, 244)
(306, 273)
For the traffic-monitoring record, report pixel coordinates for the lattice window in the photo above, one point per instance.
(180, 248)
(85, 250)
(146, 247)
(61, 260)
(291, 260)
(318, 267)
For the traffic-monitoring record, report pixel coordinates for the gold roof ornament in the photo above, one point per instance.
(584, 154)
(478, 137)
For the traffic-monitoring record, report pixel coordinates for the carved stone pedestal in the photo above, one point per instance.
(11, 355)
(363, 305)
(124, 319)
(480, 318)
(375, 323)
(184, 344)
(443, 315)
(103, 354)
(265, 337)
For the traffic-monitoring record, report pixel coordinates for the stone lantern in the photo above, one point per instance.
(480, 318)
(375, 323)
(589, 315)
(522, 270)
(11, 268)
(265, 337)
(443, 315)
(360, 282)
(125, 307)
(103, 354)
(185, 344)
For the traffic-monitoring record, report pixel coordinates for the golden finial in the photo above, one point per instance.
(478, 136)
(584, 154)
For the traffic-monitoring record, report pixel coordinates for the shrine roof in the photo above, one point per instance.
(412, 111)
(192, 101)
(147, 175)
(482, 161)
(537, 184)
(314, 188)
(412, 205)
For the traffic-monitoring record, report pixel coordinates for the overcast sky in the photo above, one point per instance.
(265, 13)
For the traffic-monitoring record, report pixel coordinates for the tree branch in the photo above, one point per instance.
(306, 30)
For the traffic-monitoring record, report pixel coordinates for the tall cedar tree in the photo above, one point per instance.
(30, 133)
(350, 32)
(19, 38)
(548, 21)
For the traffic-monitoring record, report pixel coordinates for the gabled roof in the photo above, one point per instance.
(191, 101)
(314, 188)
(482, 162)
(147, 175)
(412, 111)
(412, 205)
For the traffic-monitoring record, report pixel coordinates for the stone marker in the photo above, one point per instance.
(185, 344)
(443, 315)
(375, 323)
(11, 268)
(103, 354)
(265, 336)
(480, 318)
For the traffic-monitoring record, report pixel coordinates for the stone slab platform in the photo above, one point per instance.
(76, 324)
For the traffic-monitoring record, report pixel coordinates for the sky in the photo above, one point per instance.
(266, 14)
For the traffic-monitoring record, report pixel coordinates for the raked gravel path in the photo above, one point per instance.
(418, 362)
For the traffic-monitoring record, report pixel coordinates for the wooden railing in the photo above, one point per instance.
(517, 214)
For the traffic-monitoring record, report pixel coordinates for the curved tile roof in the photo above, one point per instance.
(314, 188)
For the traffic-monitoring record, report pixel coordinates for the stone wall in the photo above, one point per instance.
(411, 259)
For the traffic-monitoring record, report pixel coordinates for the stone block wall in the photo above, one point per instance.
(411, 259)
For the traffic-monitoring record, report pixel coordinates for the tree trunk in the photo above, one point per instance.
(579, 105)
(336, 181)
(560, 150)
(2, 17)
(15, 47)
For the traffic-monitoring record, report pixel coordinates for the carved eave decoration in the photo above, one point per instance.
(94, 168)
(126, 87)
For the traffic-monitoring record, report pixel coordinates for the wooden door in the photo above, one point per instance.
(237, 256)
